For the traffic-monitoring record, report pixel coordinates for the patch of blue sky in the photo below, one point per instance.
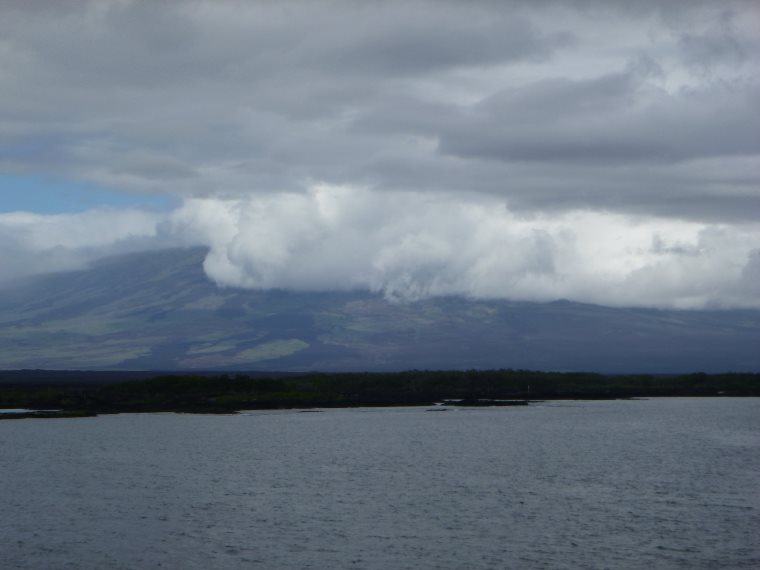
(48, 195)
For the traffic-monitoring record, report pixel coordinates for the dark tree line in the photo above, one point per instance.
(225, 393)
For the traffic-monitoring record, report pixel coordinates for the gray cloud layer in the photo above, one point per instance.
(535, 102)
(641, 111)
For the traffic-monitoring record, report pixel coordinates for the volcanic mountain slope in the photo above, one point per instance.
(159, 311)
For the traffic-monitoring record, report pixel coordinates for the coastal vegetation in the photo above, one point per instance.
(227, 394)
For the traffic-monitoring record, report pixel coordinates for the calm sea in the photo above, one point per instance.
(662, 483)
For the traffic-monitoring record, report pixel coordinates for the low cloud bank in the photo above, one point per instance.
(410, 246)
(31, 244)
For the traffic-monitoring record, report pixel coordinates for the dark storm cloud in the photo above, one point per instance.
(719, 42)
(609, 119)
(205, 98)
(243, 88)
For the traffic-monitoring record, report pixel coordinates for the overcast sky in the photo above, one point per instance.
(605, 152)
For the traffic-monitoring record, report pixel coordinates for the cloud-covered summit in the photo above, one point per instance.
(533, 121)
(414, 245)
(417, 245)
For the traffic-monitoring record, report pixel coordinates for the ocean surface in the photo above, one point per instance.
(661, 483)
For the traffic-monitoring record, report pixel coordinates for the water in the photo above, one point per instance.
(13, 411)
(664, 483)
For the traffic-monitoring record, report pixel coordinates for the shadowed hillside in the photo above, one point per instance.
(158, 311)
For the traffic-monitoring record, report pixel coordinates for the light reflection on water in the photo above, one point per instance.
(665, 483)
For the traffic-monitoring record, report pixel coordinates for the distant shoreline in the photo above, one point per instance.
(74, 396)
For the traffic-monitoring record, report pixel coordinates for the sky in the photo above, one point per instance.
(598, 151)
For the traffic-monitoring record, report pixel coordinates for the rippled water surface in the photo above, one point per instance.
(664, 483)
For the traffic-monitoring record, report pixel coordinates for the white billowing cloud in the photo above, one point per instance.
(415, 245)
(34, 243)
